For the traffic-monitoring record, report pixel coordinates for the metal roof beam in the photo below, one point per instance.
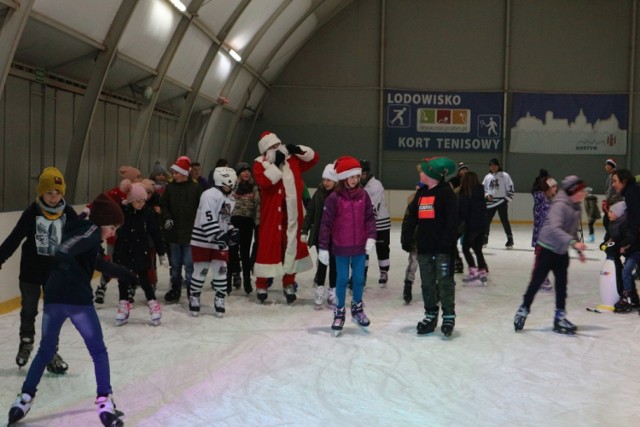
(10, 34)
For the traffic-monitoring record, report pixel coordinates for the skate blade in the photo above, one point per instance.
(337, 333)
(195, 313)
(122, 322)
(561, 332)
(219, 315)
(155, 323)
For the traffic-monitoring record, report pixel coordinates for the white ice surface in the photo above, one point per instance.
(279, 365)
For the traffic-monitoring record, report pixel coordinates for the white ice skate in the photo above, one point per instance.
(319, 297)
(122, 316)
(218, 303)
(194, 304)
(107, 412)
(154, 311)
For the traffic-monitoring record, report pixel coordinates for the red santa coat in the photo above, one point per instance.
(280, 250)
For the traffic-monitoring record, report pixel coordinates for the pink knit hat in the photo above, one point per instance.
(129, 172)
(135, 191)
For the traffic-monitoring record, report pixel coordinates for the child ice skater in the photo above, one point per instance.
(212, 234)
(40, 226)
(473, 212)
(412, 265)
(592, 210)
(559, 233)
(348, 226)
(132, 249)
(433, 218)
(68, 295)
(310, 232)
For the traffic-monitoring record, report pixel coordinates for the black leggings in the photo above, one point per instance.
(503, 213)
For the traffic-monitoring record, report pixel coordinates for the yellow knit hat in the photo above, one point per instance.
(51, 179)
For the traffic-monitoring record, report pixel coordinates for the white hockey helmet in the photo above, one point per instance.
(224, 176)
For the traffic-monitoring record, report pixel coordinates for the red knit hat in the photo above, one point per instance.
(267, 139)
(182, 165)
(105, 211)
(347, 166)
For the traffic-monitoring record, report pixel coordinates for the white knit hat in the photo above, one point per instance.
(329, 172)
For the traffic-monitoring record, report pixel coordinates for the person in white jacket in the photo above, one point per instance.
(383, 220)
(498, 192)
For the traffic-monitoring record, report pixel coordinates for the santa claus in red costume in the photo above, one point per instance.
(278, 172)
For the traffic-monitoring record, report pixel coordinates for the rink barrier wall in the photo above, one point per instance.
(520, 212)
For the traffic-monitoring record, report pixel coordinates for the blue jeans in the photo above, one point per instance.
(85, 319)
(181, 256)
(342, 277)
(627, 271)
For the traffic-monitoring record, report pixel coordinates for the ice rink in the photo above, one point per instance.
(279, 365)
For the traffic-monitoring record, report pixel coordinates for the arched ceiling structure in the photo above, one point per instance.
(178, 57)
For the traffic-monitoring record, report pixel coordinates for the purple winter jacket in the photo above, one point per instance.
(347, 222)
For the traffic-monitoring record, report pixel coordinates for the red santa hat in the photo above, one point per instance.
(182, 165)
(134, 191)
(267, 139)
(347, 166)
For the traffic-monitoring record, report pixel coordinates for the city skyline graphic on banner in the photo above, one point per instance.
(581, 124)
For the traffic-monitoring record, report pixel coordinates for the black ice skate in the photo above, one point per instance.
(24, 351)
(509, 244)
(290, 294)
(406, 292)
(236, 280)
(562, 325)
(628, 301)
(520, 318)
(107, 412)
(173, 295)
(246, 284)
(448, 323)
(338, 321)
(20, 408)
(262, 295)
(428, 324)
(100, 290)
(57, 365)
(358, 316)
(384, 278)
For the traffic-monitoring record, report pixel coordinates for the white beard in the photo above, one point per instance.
(270, 155)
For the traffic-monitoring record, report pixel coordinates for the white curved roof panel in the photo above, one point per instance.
(189, 55)
(91, 18)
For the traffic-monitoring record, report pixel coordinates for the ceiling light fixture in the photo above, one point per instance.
(235, 55)
(178, 5)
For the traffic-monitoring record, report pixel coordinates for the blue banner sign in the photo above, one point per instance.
(443, 121)
(569, 124)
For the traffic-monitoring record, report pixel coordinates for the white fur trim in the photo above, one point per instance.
(267, 141)
(179, 170)
(308, 155)
(272, 172)
(350, 172)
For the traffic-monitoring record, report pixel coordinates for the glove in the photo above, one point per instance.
(294, 149)
(164, 262)
(371, 243)
(279, 158)
(323, 256)
(168, 224)
(304, 238)
(234, 236)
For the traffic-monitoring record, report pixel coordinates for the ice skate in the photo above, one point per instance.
(562, 325)
(131, 293)
(473, 278)
(338, 321)
(509, 244)
(24, 351)
(428, 324)
(20, 408)
(406, 292)
(318, 299)
(236, 280)
(626, 302)
(262, 295)
(448, 323)
(384, 277)
(100, 291)
(173, 295)
(246, 284)
(57, 365)
(358, 316)
(458, 266)
(107, 412)
(194, 304)
(218, 304)
(520, 318)
(590, 239)
(290, 294)
(332, 300)
(122, 316)
(154, 311)
(482, 272)
(546, 286)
